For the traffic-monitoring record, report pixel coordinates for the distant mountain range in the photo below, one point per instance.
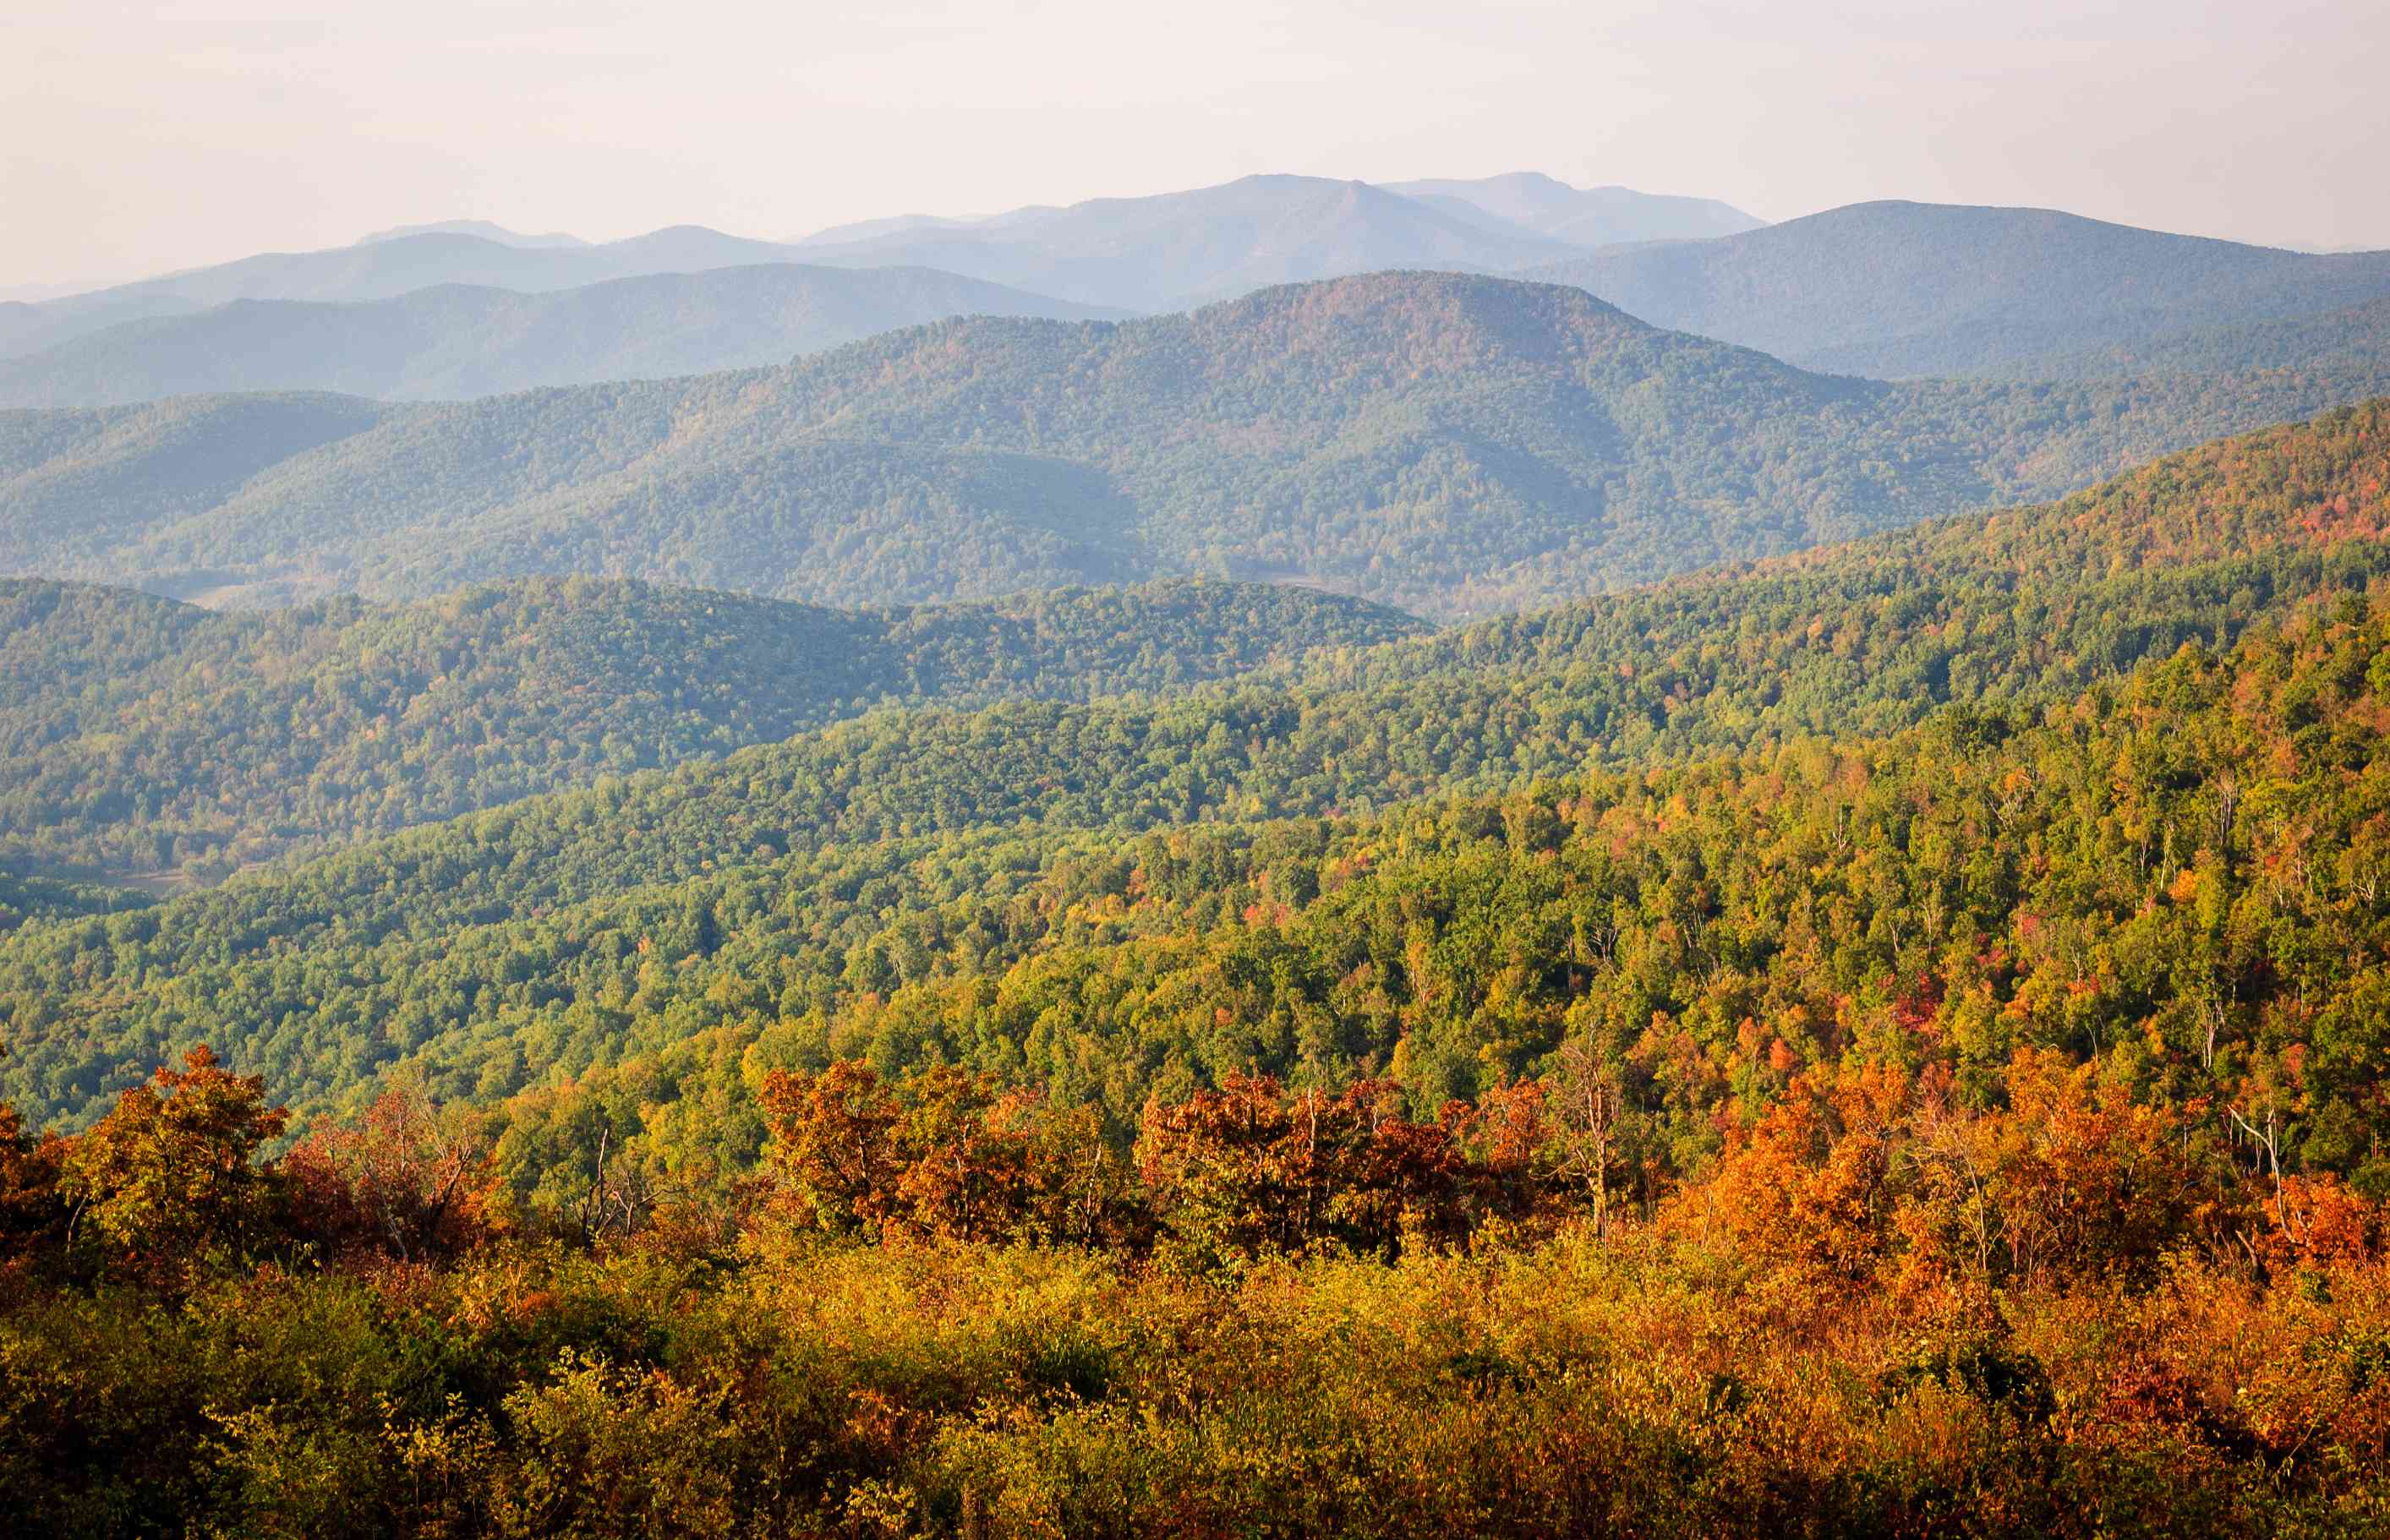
(1108, 256)
(1886, 290)
(380, 269)
(481, 227)
(1178, 250)
(1516, 206)
(1452, 444)
(455, 340)
(1156, 253)
(1901, 289)
(1533, 204)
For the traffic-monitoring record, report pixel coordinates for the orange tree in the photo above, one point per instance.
(169, 1175)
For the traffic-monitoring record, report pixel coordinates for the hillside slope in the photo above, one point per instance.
(813, 875)
(454, 342)
(1445, 444)
(146, 736)
(2356, 338)
(1900, 290)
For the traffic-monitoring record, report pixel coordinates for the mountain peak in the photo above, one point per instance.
(483, 229)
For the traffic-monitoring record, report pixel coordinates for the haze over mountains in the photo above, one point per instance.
(485, 228)
(1398, 901)
(1154, 253)
(455, 340)
(1447, 443)
(1898, 289)
(378, 270)
(1582, 216)
(1888, 290)
(1178, 250)
(193, 332)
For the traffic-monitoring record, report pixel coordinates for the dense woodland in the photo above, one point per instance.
(1975, 1132)
(560, 933)
(139, 735)
(1889, 1306)
(1451, 445)
(1890, 1039)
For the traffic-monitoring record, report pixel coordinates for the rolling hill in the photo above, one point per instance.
(1901, 289)
(1582, 216)
(1445, 444)
(454, 340)
(1973, 1129)
(807, 879)
(141, 735)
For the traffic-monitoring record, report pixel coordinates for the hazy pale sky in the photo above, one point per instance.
(138, 138)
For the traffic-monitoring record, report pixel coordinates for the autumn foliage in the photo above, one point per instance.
(945, 1306)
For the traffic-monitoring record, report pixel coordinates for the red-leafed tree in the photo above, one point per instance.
(403, 1183)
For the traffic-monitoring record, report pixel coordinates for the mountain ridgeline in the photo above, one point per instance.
(1895, 289)
(1583, 217)
(1178, 250)
(1447, 444)
(457, 340)
(762, 888)
(1154, 253)
(380, 269)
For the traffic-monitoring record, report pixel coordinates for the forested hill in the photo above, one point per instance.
(1897, 289)
(1981, 603)
(140, 734)
(457, 340)
(564, 930)
(1448, 444)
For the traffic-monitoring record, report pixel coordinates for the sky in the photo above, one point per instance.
(137, 138)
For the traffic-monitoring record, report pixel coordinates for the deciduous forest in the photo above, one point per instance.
(1891, 1040)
